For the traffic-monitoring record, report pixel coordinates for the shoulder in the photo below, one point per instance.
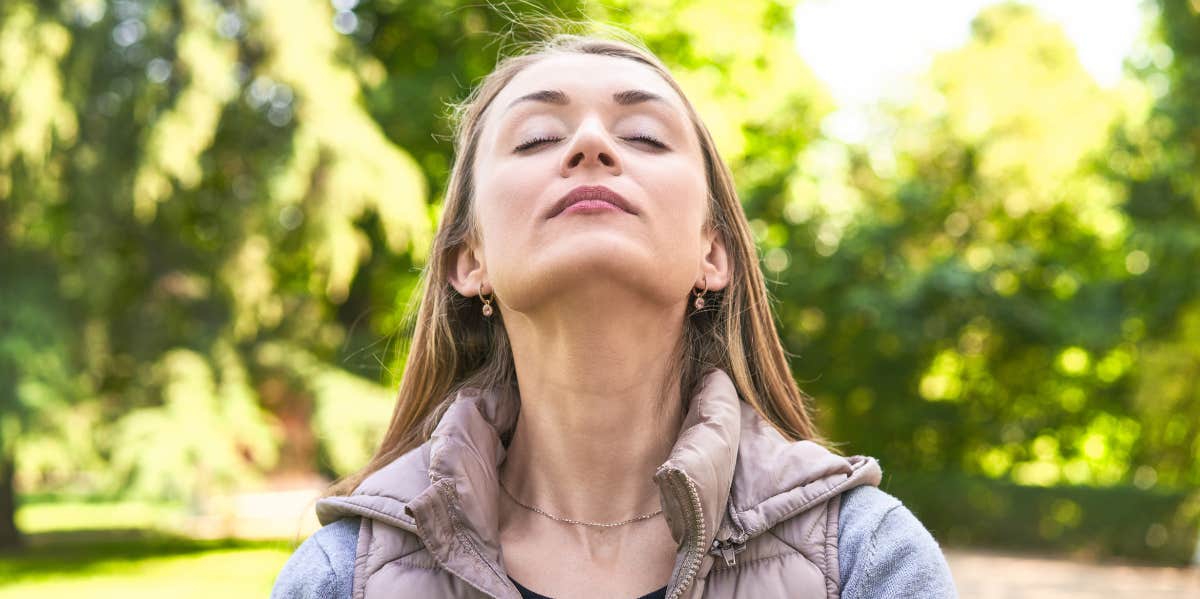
(323, 565)
(885, 551)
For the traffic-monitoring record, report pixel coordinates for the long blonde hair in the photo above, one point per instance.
(454, 346)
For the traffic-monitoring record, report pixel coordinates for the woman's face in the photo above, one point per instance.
(575, 120)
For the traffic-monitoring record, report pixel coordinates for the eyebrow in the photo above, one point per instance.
(553, 96)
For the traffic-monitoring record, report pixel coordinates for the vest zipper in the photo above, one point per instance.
(728, 549)
(691, 560)
(463, 538)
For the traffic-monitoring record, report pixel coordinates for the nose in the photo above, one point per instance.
(591, 148)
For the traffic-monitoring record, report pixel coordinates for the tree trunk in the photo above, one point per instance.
(10, 537)
(298, 452)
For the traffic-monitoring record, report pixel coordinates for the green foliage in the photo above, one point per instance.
(350, 414)
(208, 433)
(1158, 165)
(182, 184)
(1085, 522)
(961, 300)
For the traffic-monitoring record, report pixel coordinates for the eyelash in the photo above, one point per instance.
(540, 140)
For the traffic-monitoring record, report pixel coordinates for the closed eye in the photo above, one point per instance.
(650, 140)
(535, 142)
(541, 140)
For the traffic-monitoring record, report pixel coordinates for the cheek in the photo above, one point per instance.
(681, 190)
(506, 204)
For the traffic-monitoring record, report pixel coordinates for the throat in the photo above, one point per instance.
(558, 560)
(596, 474)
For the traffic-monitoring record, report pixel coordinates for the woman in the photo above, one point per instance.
(596, 402)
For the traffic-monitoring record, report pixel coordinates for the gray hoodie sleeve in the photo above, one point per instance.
(885, 552)
(323, 566)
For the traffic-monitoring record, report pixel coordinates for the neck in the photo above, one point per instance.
(600, 410)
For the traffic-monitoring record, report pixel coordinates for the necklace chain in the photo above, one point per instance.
(581, 522)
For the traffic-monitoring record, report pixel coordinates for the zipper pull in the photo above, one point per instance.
(728, 550)
(729, 555)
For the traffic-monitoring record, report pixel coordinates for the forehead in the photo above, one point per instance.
(588, 78)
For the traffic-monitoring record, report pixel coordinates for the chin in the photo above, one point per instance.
(594, 269)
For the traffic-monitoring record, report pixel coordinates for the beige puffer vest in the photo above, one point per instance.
(754, 515)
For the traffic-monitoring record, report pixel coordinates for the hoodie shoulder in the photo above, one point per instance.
(885, 551)
(323, 565)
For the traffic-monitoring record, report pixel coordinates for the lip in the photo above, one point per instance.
(593, 193)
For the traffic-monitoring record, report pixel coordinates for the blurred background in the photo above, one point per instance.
(980, 223)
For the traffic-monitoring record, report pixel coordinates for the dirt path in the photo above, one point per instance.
(994, 575)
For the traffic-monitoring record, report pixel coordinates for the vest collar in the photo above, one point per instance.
(730, 473)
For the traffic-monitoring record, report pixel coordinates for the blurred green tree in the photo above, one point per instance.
(184, 188)
(958, 288)
(1157, 163)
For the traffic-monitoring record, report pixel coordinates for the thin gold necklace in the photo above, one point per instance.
(581, 522)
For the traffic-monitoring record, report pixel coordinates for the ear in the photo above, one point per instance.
(715, 265)
(467, 271)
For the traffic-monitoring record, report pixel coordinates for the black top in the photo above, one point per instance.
(528, 594)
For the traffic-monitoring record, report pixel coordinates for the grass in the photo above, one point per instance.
(40, 517)
(102, 550)
(153, 566)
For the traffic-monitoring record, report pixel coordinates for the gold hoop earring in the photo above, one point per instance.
(487, 302)
(699, 303)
